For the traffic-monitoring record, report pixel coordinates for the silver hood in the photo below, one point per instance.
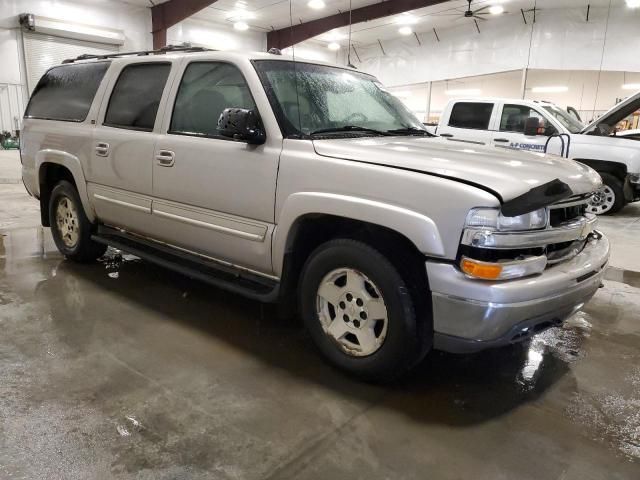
(505, 172)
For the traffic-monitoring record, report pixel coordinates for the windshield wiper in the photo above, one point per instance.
(409, 131)
(348, 128)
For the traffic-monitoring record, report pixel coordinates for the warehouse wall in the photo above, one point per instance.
(219, 37)
(134, 21)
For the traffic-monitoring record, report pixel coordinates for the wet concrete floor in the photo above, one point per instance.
(123, 370)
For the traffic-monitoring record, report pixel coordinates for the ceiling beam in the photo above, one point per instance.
(167, 14)
(287, 36)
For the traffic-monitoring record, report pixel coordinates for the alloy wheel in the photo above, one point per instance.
(67, 222)
(352, 311)
(602, 201)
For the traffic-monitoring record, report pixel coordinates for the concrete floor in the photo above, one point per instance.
(123, 370)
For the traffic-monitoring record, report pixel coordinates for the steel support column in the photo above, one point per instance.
(167, 14)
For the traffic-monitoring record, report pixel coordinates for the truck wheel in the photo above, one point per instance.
(70, 226)
(609, 198)
(359, 311)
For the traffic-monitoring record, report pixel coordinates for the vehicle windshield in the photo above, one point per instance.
(315, 99)
(565, 118)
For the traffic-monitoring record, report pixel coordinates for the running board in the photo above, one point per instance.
(214, 273)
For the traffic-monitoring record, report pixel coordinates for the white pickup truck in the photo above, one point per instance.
(544, 127)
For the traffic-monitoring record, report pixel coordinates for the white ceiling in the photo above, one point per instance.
(265, 15)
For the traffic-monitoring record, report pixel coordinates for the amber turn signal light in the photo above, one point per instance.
(484, 270)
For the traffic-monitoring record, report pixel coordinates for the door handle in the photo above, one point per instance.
(166, 158)
(102, 149)
(447, 135)
(501, 140)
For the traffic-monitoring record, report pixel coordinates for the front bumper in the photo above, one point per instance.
(471, 315)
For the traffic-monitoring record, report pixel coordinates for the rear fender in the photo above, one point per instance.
(71, 163)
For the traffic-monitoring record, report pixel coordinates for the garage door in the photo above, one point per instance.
(43, 51)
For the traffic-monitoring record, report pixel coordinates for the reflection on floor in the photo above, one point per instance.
(123, 370)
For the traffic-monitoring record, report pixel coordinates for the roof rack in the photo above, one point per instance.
(160, 51)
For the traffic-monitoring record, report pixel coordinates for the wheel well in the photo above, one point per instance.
(49, 176)
(617, 169)
(311, 231)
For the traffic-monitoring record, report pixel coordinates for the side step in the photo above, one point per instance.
(208, 271)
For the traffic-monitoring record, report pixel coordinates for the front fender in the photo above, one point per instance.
(71, 163)
(418, 228)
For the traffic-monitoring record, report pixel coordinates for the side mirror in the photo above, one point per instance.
(531, 126)
(241, 124)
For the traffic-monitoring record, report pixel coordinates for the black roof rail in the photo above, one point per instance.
(159, 51)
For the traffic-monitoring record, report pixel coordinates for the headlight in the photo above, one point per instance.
(492, 218)
(634, 177)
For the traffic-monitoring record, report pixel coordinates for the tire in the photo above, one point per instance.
(344, 278)
(610, 198)
(70, 227)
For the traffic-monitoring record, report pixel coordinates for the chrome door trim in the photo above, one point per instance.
(198, 254)
(121, 203)
(218, 228)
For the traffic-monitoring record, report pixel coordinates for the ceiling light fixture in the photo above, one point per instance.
(557, 89)
(241, 26)
(406, 19)
(463, 91)
(631, 86)
(633, 3)
(333, 46)
(405, 30)
(316, 4)
(496, 9)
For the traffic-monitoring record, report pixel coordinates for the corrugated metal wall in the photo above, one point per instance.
(12, 105)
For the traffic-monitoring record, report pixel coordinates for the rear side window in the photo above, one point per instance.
(66, 92)
(471, 115)
(136, 96)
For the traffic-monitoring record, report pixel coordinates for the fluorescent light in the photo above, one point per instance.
(549, 89)
(333, 46)
(316, 4)
(496, 9)
(463, 91)
(333, 35)
(242, 26)
(633, 3)
(405, 30)
(631, 86)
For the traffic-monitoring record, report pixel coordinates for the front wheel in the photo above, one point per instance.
(360, 312)
(609, 198)
(70, 227)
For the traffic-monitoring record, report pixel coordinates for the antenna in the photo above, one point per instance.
(349, 64)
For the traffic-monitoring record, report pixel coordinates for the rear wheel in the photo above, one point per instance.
(609, 198)
(360, 312)
(70, 227)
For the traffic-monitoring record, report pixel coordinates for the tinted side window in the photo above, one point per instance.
(471, 115)
(206, 89)
(66, 92)
(514, 118)
(136, 97)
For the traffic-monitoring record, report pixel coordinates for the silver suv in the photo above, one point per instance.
(310, 185)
